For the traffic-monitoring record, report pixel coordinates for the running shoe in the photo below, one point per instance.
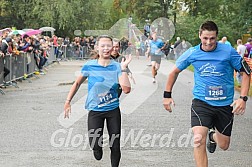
(153, 80)
(97, 154)
(211, 144)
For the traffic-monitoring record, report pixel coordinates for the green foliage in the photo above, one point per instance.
(233, 17)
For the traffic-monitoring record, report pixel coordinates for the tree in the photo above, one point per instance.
(69, 15)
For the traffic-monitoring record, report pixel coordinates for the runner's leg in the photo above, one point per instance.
(114, 129)
(200, 154)
(222, 141)
(95, 132)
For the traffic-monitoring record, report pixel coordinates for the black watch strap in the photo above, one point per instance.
(244, 98)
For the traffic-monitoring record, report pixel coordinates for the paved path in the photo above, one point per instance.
(33, 133)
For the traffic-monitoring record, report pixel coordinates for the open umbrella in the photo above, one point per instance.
(1, 31)
(27, 29)
(15, 32)
(32, 32)
(47, 29)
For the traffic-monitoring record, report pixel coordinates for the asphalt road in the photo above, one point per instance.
(34, 133)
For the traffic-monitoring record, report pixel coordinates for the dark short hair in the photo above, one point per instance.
(8, 39)
(209, 26)
(249, 39)
(25, 36)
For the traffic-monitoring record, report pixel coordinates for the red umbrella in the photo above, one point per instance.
(32, 32)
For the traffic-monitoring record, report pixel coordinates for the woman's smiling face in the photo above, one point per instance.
(105, 46)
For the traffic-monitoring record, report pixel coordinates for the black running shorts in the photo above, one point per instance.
(219, 117)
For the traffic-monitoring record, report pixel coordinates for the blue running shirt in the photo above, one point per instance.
(102, 85)
(155, 47)
(213, 73)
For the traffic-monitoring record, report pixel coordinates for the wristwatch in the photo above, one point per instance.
(244, 98)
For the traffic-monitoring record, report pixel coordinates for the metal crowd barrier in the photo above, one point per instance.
(20, 66)
(1, 73)
(73, 52)
(52, 56)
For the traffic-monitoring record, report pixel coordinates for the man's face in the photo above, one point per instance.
(208, 40)
(116, 48)
(154, 36)
(27, 39)
(5, 34)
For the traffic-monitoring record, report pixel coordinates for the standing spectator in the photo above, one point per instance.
(241, 49)
(248, 46)
(147, 29)
(38, 54)
(55, 45)
(92, 42)
(66, 45)
(167, 48)
(84, 46)
(177, 48)
(124, 44)
(225, 41)
(6, 48)
(25, 46)
(5, 34)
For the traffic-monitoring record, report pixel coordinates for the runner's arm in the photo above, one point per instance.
(172, 77)
(72, 92)
(75, 87)
(239, 104)
(124, 78)
(245, 83)
(168, 102)
(125, 83)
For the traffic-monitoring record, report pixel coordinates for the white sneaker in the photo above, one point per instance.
(153, 80)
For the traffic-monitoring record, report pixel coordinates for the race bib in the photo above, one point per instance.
(215, 92)
(107, 98)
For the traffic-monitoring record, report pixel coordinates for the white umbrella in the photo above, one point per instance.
(47, 29)
(1, 31)
(27, 29)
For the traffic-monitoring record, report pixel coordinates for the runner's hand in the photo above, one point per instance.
(239, 107)
(67, 109)
(125, 62)
(168, 104)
